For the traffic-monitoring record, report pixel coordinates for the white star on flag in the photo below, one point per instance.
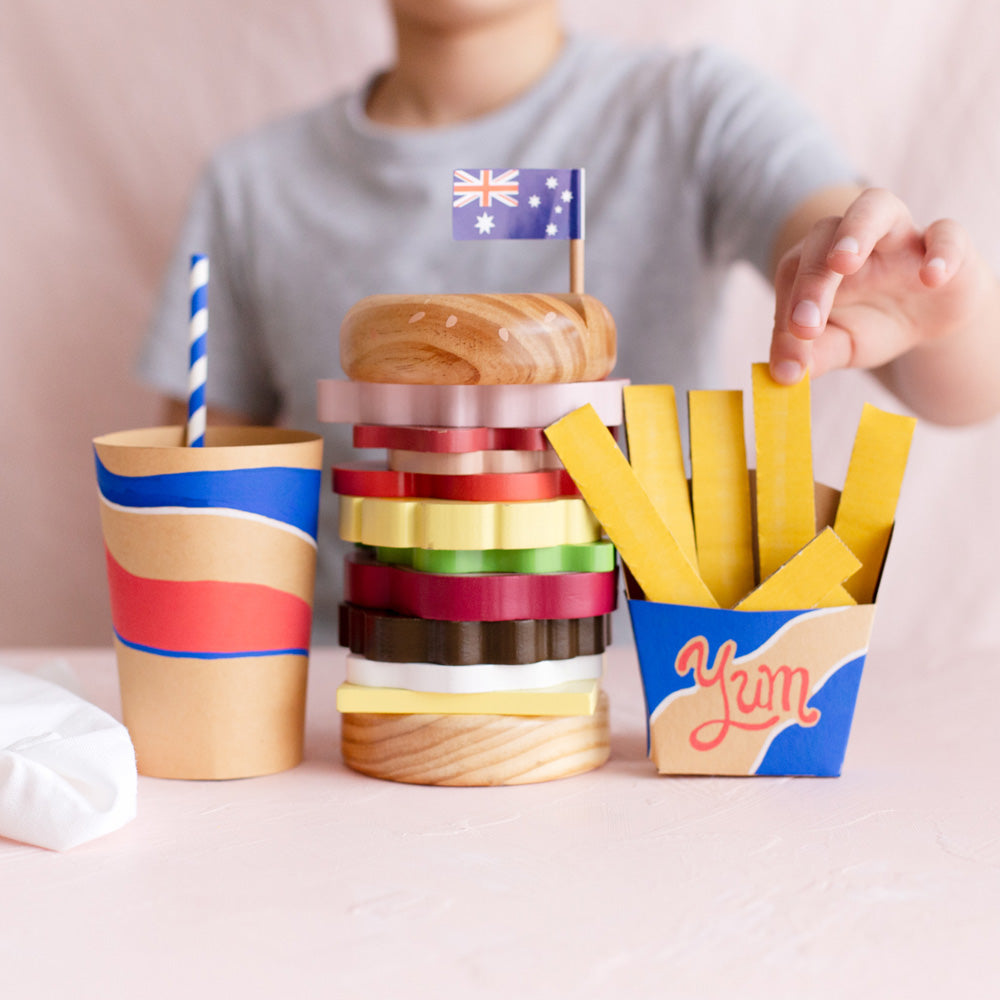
(534, 201)
(567, 195)
(551, 182)
(551, 229)
(484, 223)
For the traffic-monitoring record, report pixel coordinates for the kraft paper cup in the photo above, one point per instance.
(750, 692)
(211, 556)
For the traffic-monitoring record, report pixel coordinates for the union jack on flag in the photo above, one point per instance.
(484, 186)
(517, 204)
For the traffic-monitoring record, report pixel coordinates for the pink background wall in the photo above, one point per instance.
(108, 109)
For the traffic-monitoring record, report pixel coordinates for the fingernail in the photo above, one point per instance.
(846, 245)
(786, 372)
(806, 313)
(938, 263)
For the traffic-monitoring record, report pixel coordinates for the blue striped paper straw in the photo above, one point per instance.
(198, 359)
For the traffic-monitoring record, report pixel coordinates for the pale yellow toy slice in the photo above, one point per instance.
(573, 698)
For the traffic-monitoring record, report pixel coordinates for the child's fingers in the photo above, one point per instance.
(814, 286)
(791, 357)
(872, 216)
(946, 244)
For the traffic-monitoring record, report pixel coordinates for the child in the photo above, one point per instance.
(693, 161)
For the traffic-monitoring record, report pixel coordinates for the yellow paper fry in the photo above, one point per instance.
(786, 504)
(867, 505)
(837, 598)
(657, 458)
(806, 579)
(720, 494)
(619, 502)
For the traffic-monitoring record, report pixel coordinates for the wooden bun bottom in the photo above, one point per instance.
(475, 750)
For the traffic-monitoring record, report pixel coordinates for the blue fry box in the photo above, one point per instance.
(750, 692)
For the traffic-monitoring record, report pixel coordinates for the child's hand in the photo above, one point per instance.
(865, 289)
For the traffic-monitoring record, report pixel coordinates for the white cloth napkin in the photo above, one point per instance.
(67, 769)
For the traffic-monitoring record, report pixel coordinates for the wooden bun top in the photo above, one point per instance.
(511, 339)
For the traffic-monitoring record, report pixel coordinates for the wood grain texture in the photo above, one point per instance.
(513, 339)
(394, 638)
(475, 750)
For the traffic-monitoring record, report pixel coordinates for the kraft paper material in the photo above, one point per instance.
(212, 719)
(211, 557)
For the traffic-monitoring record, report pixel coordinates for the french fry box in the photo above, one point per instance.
(211, 556)
(750, 692)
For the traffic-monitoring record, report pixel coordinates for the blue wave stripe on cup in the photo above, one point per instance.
(284, 494)
(198, 655)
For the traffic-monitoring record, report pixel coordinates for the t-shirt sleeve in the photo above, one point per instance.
(239, 374)
(758, 153)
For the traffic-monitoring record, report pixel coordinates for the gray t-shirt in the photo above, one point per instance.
(693, 161)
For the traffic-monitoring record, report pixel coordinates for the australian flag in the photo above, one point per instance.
(505, 204)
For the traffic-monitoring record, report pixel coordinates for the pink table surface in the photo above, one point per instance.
(321, 882)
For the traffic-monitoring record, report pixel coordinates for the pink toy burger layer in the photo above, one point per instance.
(345, 402)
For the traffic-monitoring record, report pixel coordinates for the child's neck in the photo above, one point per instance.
(452, 73)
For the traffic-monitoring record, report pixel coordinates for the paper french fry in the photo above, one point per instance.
(720, 494)
(786, 506)
(619, 502)
(867, 505)
(657, 458)
(806, 578)
(839, 597)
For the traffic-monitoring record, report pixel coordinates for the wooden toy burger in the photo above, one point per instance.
(477, 604)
